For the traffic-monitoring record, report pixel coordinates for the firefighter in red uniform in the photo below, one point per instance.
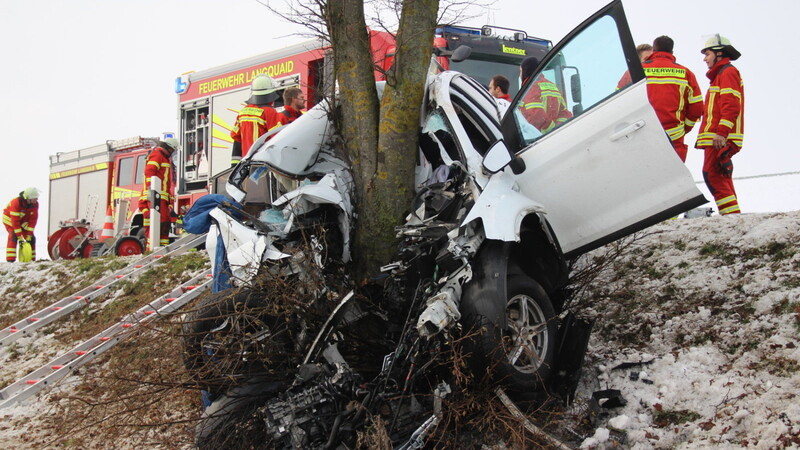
(293, 103)
(159, 165)
(644, 51)
(256, 118)
(673, 92)
(20, 217)
(543, 105)
(722, 130)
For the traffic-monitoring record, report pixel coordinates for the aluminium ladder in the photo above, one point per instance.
(70, 303)
(61, 366)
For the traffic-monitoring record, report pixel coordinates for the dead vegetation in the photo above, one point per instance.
(141, 391)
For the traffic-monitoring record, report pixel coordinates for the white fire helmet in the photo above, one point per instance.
(168, 138)
(263, 90)
(721, 44)
(30, 193)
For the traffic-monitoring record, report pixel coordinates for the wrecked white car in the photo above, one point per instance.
(500, 210)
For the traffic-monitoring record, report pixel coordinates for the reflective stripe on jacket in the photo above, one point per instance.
(724, 109)
(674, 93)
(159, 165)
(252, 122)
(20, 217)
(544, 106)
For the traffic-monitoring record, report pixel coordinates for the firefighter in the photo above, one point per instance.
(256, 118)
(543, 106)
(722, 129)
(293, 103)
(644, 51)
(20, 217)
(159, 165)
(674, 93)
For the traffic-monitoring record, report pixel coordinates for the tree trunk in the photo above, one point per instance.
(387, 196)
(381, 143)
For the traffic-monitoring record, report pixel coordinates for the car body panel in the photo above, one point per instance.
(295, 153)
(595, 181)
(245, 247)
(501, 208)
(610, 168)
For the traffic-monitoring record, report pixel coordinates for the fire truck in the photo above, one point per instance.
(101, 184)
(97, 185)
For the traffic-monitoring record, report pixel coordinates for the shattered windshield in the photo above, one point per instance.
(437, 142)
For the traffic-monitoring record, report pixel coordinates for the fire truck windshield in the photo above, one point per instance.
(484, 70)
(491, 55)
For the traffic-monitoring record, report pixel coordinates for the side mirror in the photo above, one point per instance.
(497, 157)
(461, 53)
(575, 86)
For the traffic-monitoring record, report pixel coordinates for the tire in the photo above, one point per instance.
(517, 347)
(230, 423)
(128, 246)
(225, 336)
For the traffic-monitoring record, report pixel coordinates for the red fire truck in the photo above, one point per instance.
(97, 185)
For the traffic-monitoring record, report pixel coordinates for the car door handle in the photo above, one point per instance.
(639, 124)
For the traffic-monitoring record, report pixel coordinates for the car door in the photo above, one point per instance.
(595, 154)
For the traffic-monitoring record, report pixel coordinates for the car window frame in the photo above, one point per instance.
(508, 125)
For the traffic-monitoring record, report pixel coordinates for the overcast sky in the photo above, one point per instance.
(76, 74)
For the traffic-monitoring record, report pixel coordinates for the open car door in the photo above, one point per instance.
(595, 155)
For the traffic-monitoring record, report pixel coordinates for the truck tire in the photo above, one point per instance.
(224, 336)
(510, 322)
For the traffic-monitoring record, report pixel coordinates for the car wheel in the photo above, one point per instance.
(530, 333)
(230, 421)
(228, 336)
(517, 346)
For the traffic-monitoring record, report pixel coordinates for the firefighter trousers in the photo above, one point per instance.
(165, 223)
(680, 148)
(718, 175)
(11, 245)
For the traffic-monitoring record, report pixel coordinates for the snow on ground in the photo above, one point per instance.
(711, 309)
(31, 287)
(705, 311)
